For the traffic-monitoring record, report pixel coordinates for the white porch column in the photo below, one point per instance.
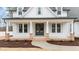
(47, 28)
(72, 27)
(7, 27)
(31, 32)
(7, 31)
(72, 31)
(31, 27)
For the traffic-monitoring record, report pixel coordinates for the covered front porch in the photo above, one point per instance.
(40, 29)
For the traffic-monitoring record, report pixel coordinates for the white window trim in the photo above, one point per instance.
(56, 28)
(18, 12)
(18, 29)
(60, 10)
(41, 11)
(23, 28)
(60, 27)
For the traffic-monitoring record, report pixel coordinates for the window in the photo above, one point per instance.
(10, 28)
(25, 27)
(58, 28)
(20, 28)
(59, 11)
(53, 28)
(19, 11)
(39, 11)
(11, 14)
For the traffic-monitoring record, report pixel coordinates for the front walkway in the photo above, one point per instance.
(52, 47)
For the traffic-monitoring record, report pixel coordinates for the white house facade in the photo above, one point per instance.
(40, 23)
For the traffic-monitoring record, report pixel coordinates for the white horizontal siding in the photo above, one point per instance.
(76, 29)
(65, 31)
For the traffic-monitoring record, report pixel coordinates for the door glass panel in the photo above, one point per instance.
(58, 28)
(53, 28)
(25, 28)
(20, 28)
(40, 29)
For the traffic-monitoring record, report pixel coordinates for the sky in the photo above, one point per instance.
(2, 11)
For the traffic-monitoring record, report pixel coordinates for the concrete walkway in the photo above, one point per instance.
(48, 46)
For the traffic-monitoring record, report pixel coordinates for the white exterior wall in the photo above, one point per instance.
(15, 14)
(65, 32)
(76, 29)
(17, 35)
(64, 13)
(45, 12)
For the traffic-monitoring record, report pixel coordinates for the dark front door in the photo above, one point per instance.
(39, 29)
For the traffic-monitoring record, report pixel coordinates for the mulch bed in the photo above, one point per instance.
(17, 44)
(27, 43)
(65, 43)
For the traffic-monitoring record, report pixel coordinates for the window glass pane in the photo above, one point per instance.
(25, 27)
(20, 28)
(58, 28)
(10, 28)
(39, 11)
(59, 12)
(53, 28)
(20, 11)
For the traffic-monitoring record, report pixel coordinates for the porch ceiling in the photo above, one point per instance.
(40, 20)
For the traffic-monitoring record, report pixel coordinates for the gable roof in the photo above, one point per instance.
(15, 8)
(74, 12)
(11, 8)
(26, 8)
(54, 9)
(31, 12)
(66, 9)
(52, 12)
